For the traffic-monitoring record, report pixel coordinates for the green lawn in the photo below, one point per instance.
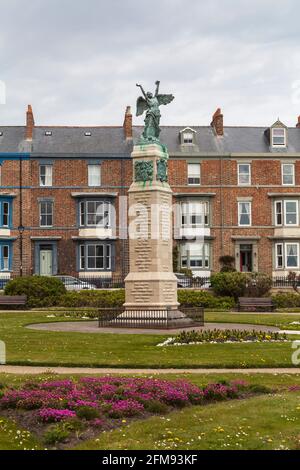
(13, 437)
(281, 320)
(260, 423)
(263, 422)
(29, 347)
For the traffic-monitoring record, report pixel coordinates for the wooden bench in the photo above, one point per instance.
(253, 304)
(10, 300)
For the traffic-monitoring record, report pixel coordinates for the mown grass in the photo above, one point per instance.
(30, 347)
(263, 422)
(260, 423)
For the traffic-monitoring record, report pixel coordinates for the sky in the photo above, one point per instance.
(78, 63)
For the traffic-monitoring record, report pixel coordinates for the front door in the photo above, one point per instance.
(246, 258)
(46, 261)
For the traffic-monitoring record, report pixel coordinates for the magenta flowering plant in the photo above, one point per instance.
(50, 415)
(125, 408)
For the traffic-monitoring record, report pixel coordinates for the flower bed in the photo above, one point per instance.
(58, 410)
(223, 336)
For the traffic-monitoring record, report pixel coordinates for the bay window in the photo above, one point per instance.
(95, 214)
(5, 256)
(291, 213)
(292, 255)
(5, 213)
(287, 255)
(195, 214)
(195, 256)
(95, 257)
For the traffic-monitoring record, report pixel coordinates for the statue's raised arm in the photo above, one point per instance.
(151, 103)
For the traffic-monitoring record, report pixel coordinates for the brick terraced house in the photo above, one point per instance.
(61, 189)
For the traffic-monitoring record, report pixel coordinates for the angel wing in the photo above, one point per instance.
(141, 106)
(165, 99)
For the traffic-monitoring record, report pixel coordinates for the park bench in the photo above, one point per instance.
(253, 304)
(9, 300)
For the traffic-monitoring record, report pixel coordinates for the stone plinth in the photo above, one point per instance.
(151, 284)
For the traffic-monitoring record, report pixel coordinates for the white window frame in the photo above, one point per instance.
(5, 260)
(48, 177)
(188, 138)
(203, 256)
(186, 211)
(277, 213)
(47, 214)
(286, 201)
(283, 175)
(240, 213)
(277, 256)
(192, 175)
(84, 256)
(284, 136)
(106, 212)
(91, 175)
(286, 255)
(239, 174)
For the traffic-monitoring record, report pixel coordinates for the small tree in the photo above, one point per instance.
(258, 284)
(227, 263)
(229, 284)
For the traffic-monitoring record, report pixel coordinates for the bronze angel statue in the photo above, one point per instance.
(151, 104)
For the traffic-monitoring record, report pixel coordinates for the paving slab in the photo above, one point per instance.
(92, 327)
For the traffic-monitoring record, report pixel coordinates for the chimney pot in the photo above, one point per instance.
(218, 122)
(29, 123)
(128, 123)
(298, 123)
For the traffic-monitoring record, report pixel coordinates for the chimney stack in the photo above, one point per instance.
(298, 123)
(217, 122)
(128, 123)
(29, 123)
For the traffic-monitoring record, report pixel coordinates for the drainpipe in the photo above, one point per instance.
(21, 227)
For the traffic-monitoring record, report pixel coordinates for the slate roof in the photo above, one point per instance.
(110, 141)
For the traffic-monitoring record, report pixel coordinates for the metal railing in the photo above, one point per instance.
(154, 318)
(92, 282)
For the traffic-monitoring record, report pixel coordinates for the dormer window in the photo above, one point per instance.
(187, 136)
(279, 137)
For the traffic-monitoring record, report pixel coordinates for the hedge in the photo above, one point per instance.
(40, 291)
(108, 299)
(286, 300)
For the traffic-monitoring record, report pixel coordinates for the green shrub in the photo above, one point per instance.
(100, 299)
(156, 407)
(40, 291)
(229, 284)
(286, 300)
(194, 298)
(187, 272)
(87, 412)
(240, 284)
(258, 284)
(56, 434)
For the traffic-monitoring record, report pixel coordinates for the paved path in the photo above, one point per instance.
(26, 370)
(92, 327)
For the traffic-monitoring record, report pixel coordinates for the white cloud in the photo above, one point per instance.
(77, 63)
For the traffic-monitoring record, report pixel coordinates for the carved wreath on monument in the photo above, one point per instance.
(144, 171)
